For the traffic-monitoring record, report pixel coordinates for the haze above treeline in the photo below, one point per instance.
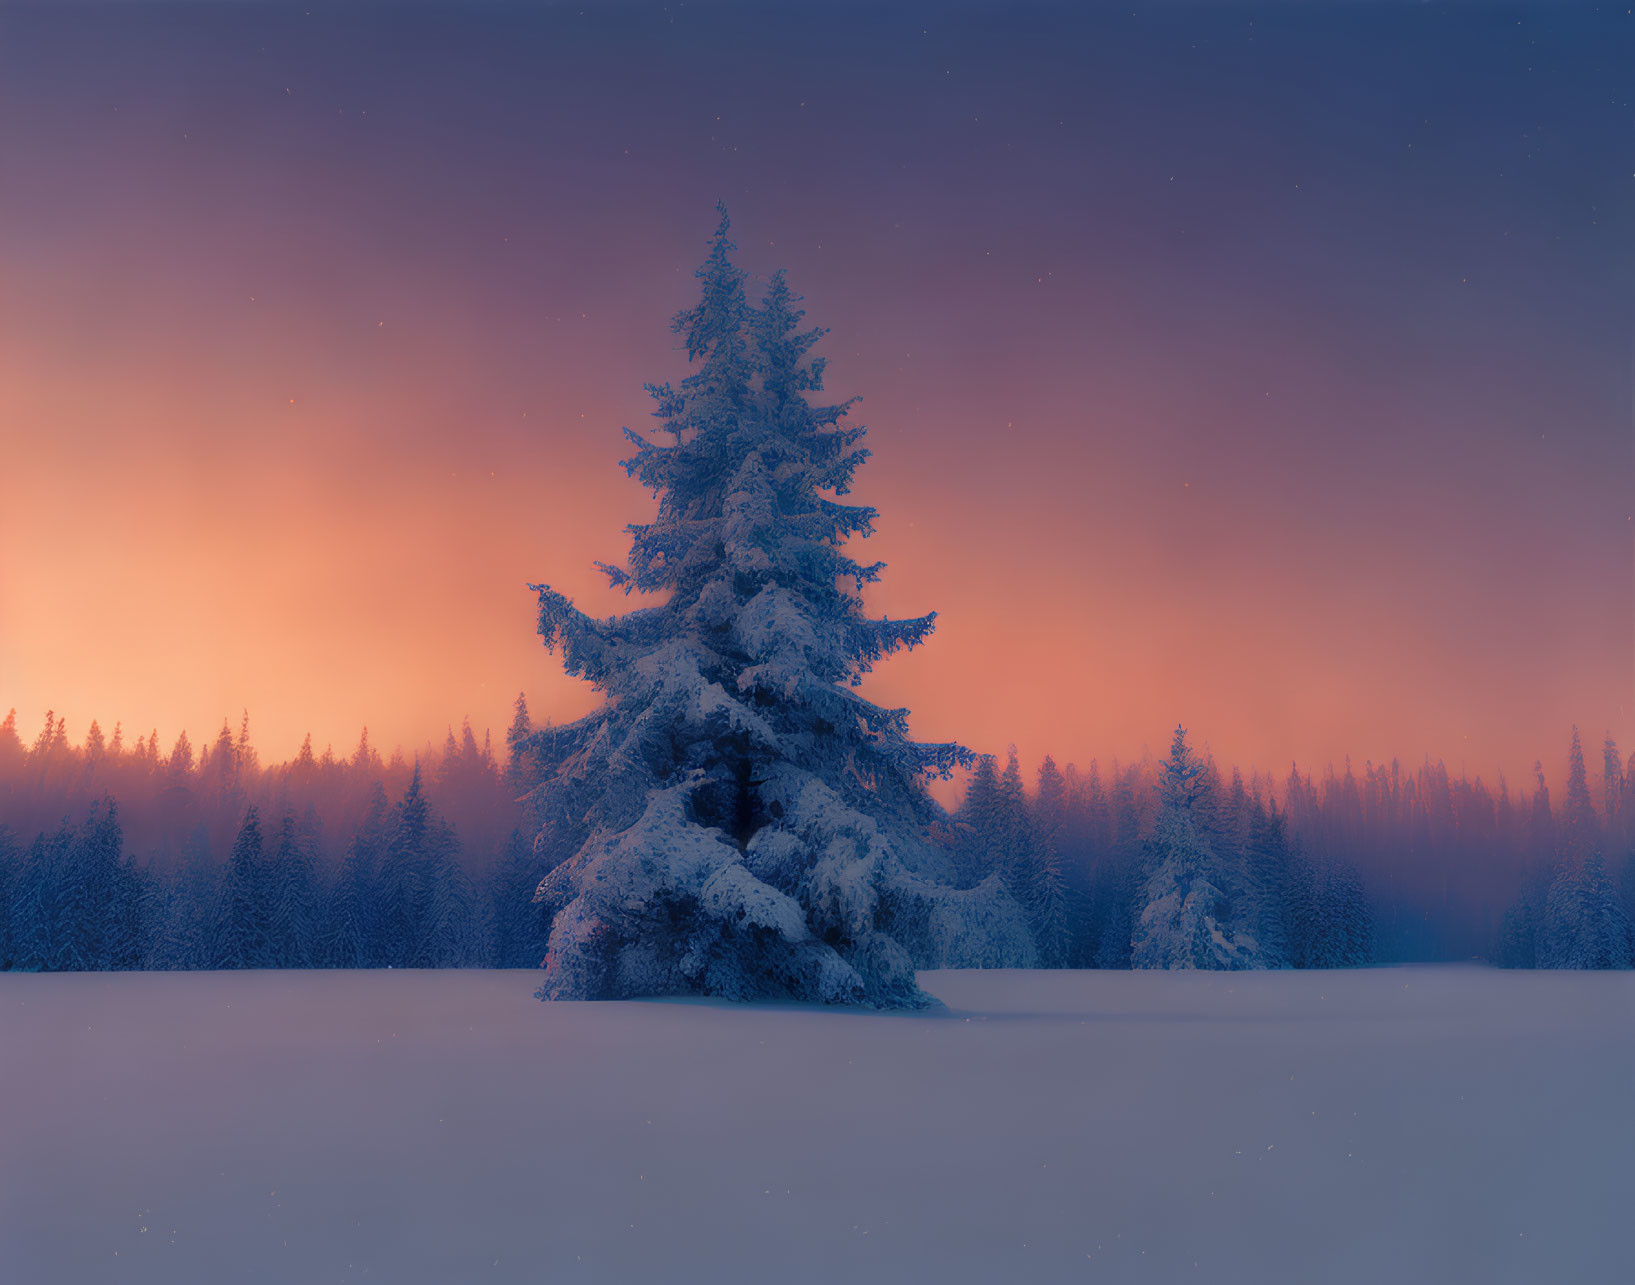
(1441, 856)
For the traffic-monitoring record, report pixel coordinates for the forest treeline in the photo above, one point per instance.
(1161, 865)
(138, 856)
(1387, 865)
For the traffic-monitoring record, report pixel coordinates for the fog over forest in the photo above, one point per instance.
(120, 853)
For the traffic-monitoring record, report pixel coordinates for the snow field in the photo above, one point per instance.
(1442, 1125)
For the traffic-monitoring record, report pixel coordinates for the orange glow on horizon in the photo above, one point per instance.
(310, 568)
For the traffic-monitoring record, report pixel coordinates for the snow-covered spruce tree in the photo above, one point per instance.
(741, 822)
(1179, 927)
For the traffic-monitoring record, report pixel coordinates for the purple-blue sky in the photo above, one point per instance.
(1263, 368)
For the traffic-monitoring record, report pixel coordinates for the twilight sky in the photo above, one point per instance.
(1263, 368)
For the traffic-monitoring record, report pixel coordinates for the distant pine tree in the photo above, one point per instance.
(11, 745)
(241, 931)
(1180, 924)
(38, 916)
(10, 879)
(1348, 926)
(1569, 912)
(292, 910)
(1051, 905)
(1017, 855)
(1578, 822)
(1517, 943)
(1268, 869)
(981, 825)
(104, 898)
(1612, 779)
(183, 937)
(458, 932)
(1521, 932)
(424, 911)
(1585, 924)
(75, 903)
(1302, 914)
(1118, 894)
(519, 929)
(517, 774)
(352, 936)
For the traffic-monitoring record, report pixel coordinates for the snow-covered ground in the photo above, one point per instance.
(1437, 1125)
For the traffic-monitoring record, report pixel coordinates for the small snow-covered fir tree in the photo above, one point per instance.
(741, 822)
(1179, 926)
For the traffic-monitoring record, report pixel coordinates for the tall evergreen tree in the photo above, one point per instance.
(743, 822)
